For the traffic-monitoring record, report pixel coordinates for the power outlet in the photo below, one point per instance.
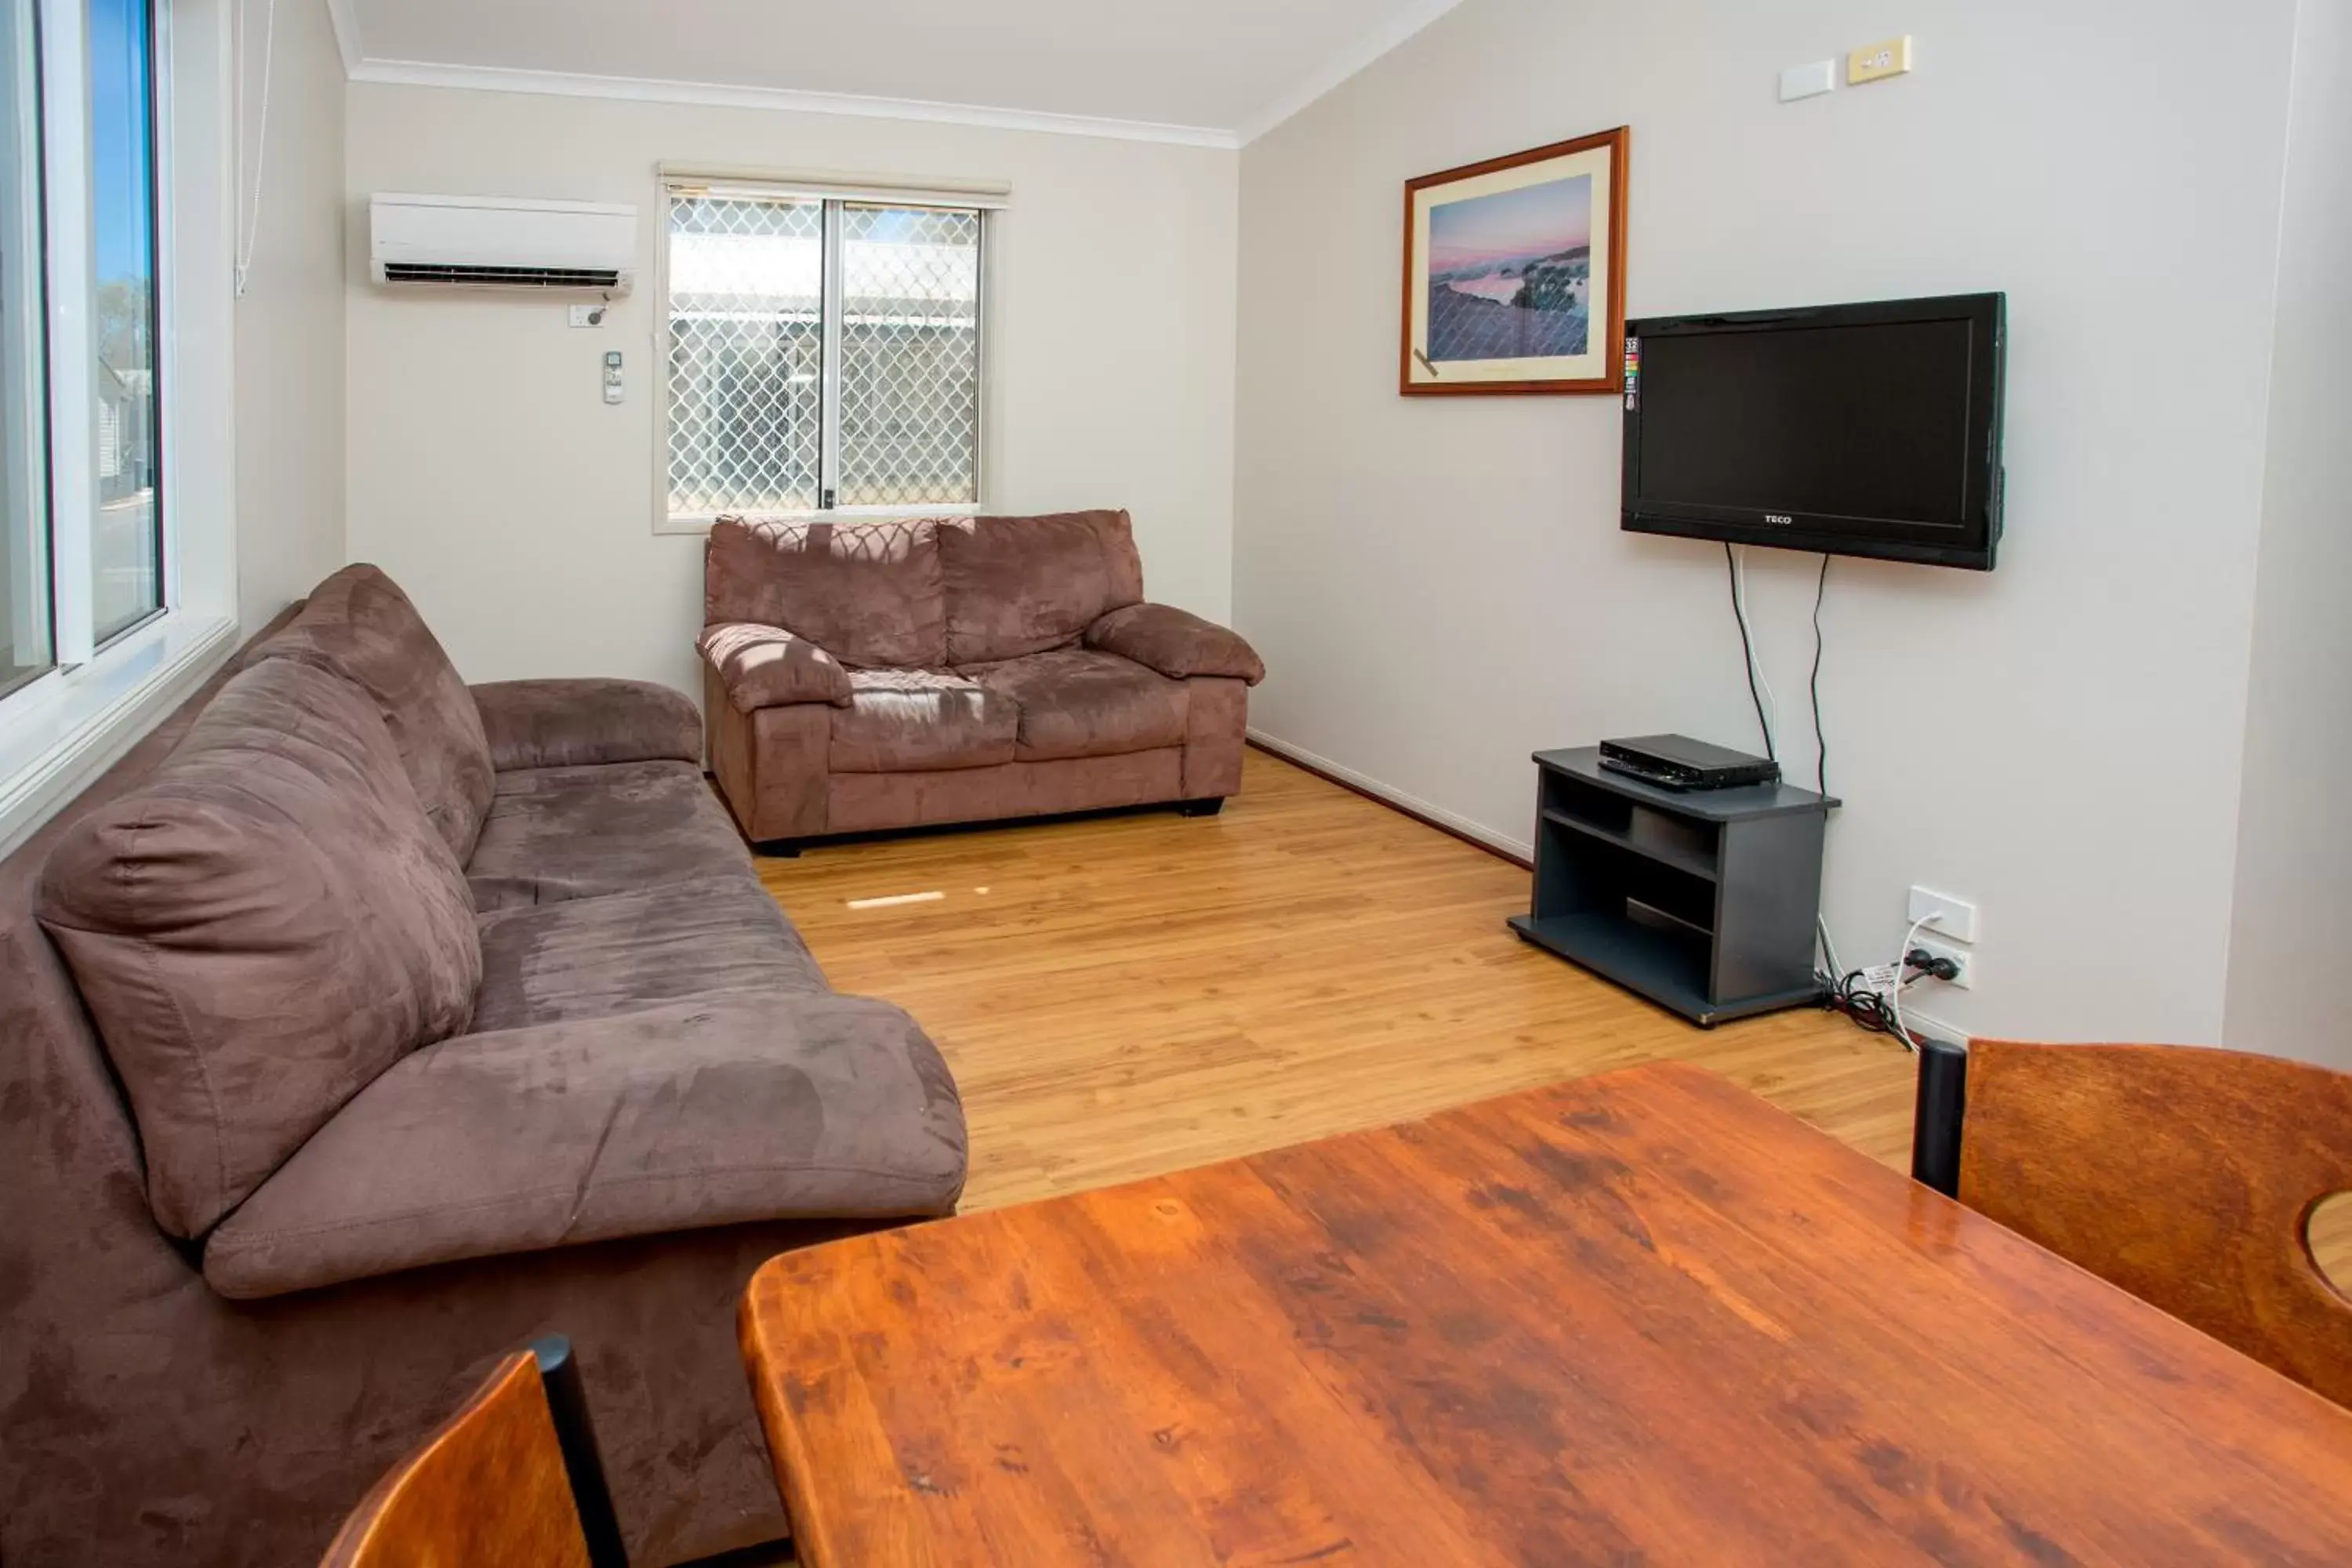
(1961, 957)
(1949, 917)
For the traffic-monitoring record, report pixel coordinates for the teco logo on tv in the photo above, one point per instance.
(1777, 521)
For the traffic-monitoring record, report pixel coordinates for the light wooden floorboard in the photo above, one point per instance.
(1128, 995)
(1146, 993)
(1132, 994)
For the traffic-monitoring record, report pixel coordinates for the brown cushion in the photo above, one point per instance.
(768, 666)
(701, 1113)
(1023, 584)
(260, 930)
(1176, 643)
(867, 592)
(916, 720)
(360, 625)
(582, 721)
(579, 832)
(1075, 702)
(592, 958)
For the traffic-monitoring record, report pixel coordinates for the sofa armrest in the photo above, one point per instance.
(721, 1112)
(582, 723)
(1176, 643)
(768, 666)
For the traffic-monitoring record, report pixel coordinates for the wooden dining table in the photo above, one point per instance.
(1641, 1318)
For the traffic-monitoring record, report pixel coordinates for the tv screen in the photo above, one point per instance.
(1855, 429)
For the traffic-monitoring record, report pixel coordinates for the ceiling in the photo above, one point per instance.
(1223, 70)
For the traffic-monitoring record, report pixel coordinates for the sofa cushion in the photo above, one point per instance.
(1077, 702)
(1023, 584)
(867, 592)
(701, 1113)
(579, 833)
(590, 958)
(584, 720)
(258, 929)
(906, 720)
(360, 625)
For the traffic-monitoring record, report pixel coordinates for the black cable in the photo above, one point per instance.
(1748, 650)
(1863, 1003)
(1821, 740)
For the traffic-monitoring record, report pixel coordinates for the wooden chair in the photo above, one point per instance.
(513, 1479)
(2186, 1177)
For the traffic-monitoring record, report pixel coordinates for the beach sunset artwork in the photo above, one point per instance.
(1508, 274)
(1514, 268)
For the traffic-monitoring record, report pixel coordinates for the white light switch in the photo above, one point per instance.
(1808, 80)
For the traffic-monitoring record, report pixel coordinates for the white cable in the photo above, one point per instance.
(252, 237)
(1829, 950)
(1755, 654)
(1901, 963)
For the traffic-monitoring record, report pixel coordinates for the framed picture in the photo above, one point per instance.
(1515, 272)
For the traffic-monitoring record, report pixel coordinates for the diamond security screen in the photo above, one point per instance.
(823, 353)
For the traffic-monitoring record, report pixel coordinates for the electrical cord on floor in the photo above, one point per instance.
(1880, 1012)
(1860, 1001)
(1747, 650)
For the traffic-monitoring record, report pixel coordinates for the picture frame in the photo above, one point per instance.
(1515, 273)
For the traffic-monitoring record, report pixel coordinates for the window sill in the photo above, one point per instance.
(838, 514)
(63, 729)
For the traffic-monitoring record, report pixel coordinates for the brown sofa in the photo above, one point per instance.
(357, 1028)
(859, 677)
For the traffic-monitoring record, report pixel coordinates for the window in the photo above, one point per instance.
(127, 525)
(80, 437)
(26, 646)
(823, 351)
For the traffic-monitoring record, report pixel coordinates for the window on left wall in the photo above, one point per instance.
(81, 388)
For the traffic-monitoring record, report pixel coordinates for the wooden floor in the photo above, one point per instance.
(1133, 995)
(1128, 996)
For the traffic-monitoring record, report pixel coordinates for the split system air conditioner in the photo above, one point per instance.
(493, 242)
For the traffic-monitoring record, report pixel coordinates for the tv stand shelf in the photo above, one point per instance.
(1702, 901)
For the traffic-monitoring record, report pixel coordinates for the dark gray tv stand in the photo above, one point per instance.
(1702, 901)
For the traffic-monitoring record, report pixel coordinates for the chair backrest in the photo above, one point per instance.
(2186, 1176)
(512, 1478)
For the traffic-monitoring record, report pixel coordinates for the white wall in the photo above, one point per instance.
(488, 477)
(2294, 847)
(1439, 586)
(290, 325)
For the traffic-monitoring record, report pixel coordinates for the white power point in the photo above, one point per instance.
(1961, 958)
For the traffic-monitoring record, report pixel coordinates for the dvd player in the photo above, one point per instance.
(1679, 762)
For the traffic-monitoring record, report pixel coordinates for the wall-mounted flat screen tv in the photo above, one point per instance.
(1869, 429)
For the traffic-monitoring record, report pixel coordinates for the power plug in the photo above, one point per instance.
(1954, 966)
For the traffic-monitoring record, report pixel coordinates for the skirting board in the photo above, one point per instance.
(1512, 849)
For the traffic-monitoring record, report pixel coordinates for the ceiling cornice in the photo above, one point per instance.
(642, 90)
(1358, 54)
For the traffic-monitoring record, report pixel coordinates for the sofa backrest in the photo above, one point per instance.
(867, 592)
(87, 1244)
(360, 625)
(924, 594)
(258, 929)
(1020, 585)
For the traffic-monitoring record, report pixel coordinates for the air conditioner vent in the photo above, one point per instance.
(502, 277)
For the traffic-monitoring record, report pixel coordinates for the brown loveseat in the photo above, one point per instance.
(359, 1027)
(868, 676)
